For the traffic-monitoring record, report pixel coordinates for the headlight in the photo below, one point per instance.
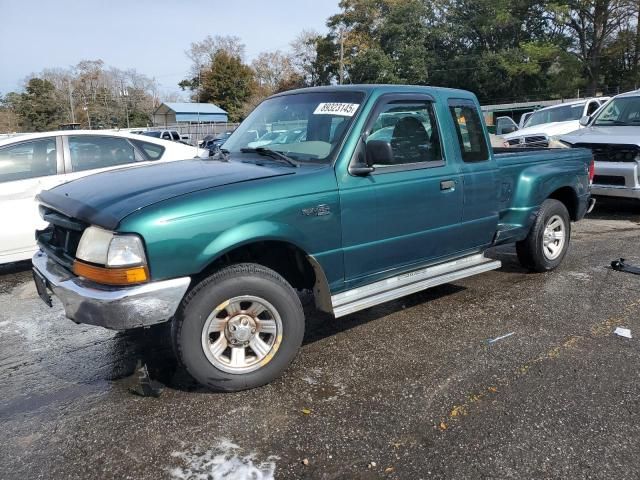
(555, 142)
(121, 257)
(106, 248)
(94, 245)
(125, 250)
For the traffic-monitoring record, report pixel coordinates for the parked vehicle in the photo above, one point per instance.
(613, 135)
(213, 143)
(220, 247)
(523, 119)
(279, 137)
(171, 135)
(550, 123)
(33, 162)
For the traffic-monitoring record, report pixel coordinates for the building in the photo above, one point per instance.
(188, 113)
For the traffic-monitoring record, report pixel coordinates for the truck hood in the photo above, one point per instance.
(548, 129)
(104, 199)
(606, 134)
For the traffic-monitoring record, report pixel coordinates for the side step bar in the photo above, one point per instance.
(399, 286)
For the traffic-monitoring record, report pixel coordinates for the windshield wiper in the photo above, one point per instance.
(267, 152)
(614, 122)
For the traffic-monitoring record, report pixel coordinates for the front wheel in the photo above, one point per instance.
(548, 240)
(239, 328)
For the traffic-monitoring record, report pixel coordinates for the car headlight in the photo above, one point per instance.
(555, 142)
(110, 258)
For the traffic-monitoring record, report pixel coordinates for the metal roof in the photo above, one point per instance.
(187, 107)
(202, 117)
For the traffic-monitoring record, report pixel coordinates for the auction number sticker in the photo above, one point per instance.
(344, 109)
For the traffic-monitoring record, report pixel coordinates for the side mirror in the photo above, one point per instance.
(378, 152)
(584, 121)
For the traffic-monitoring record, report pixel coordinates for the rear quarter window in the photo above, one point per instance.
(473, 145)
(150, 150)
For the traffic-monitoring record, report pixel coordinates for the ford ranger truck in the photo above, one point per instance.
(389, 191)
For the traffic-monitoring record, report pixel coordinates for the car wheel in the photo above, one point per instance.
(239, 328)
(548, 240)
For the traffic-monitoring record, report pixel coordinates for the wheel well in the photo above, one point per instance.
(569, 198)
(286, 259)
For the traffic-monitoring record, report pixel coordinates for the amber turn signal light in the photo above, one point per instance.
(111, 276)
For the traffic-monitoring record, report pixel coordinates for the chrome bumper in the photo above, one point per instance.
(116, 308)
(627, 173)
(615, 191)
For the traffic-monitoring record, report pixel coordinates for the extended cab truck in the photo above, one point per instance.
(355, 213)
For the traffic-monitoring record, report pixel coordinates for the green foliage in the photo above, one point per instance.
(37, 108)
(228, 83)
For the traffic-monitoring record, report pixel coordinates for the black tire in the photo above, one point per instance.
(210, 294)
(531, 250)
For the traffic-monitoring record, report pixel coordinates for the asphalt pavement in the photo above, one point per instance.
(415, 388)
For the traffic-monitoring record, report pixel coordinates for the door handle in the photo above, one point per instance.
(447, 184)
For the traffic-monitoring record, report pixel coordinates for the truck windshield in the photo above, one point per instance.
(563, 113)
(620, 111)
(306, 127)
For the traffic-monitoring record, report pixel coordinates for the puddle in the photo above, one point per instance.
(225, 461)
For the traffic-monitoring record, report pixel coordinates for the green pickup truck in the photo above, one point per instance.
(383, 191)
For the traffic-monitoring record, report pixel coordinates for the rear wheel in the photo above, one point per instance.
(548, 240)
(239, 328)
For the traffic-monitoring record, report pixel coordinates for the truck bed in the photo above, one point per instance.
(528, 174)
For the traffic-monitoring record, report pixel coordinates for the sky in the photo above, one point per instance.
(148, 35)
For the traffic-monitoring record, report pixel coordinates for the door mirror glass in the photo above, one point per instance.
(584, 121)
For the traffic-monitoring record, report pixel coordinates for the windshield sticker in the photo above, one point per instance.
(343, 109)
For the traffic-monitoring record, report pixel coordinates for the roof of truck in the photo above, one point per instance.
(382, 89)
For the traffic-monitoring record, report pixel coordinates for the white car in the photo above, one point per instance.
(549, 123)
(33, 162)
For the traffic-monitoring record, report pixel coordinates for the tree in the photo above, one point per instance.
(202, 54)
(304, 54)
(8, 117)
(590, 25)
(38, 109)
(273, 70)
(228, 83)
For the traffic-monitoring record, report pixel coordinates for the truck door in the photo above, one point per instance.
(479, 175)
(407, 211)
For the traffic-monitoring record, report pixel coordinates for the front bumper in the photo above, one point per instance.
(625, 174)
(116, 308)
(615, 191)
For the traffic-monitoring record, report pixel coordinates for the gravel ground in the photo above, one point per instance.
(410, 389)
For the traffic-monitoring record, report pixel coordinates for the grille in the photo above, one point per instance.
(608, 180)
(531, 141)
(61, 238)
(536, 141)
(611, 153)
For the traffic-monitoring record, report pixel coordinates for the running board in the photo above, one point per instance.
(399, 286)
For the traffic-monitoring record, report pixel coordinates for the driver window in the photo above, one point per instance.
(411, 131)
(593, 106)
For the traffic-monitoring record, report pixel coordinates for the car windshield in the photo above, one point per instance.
(152, 134)
(620, 112)
(302, 126)
(556, 114)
